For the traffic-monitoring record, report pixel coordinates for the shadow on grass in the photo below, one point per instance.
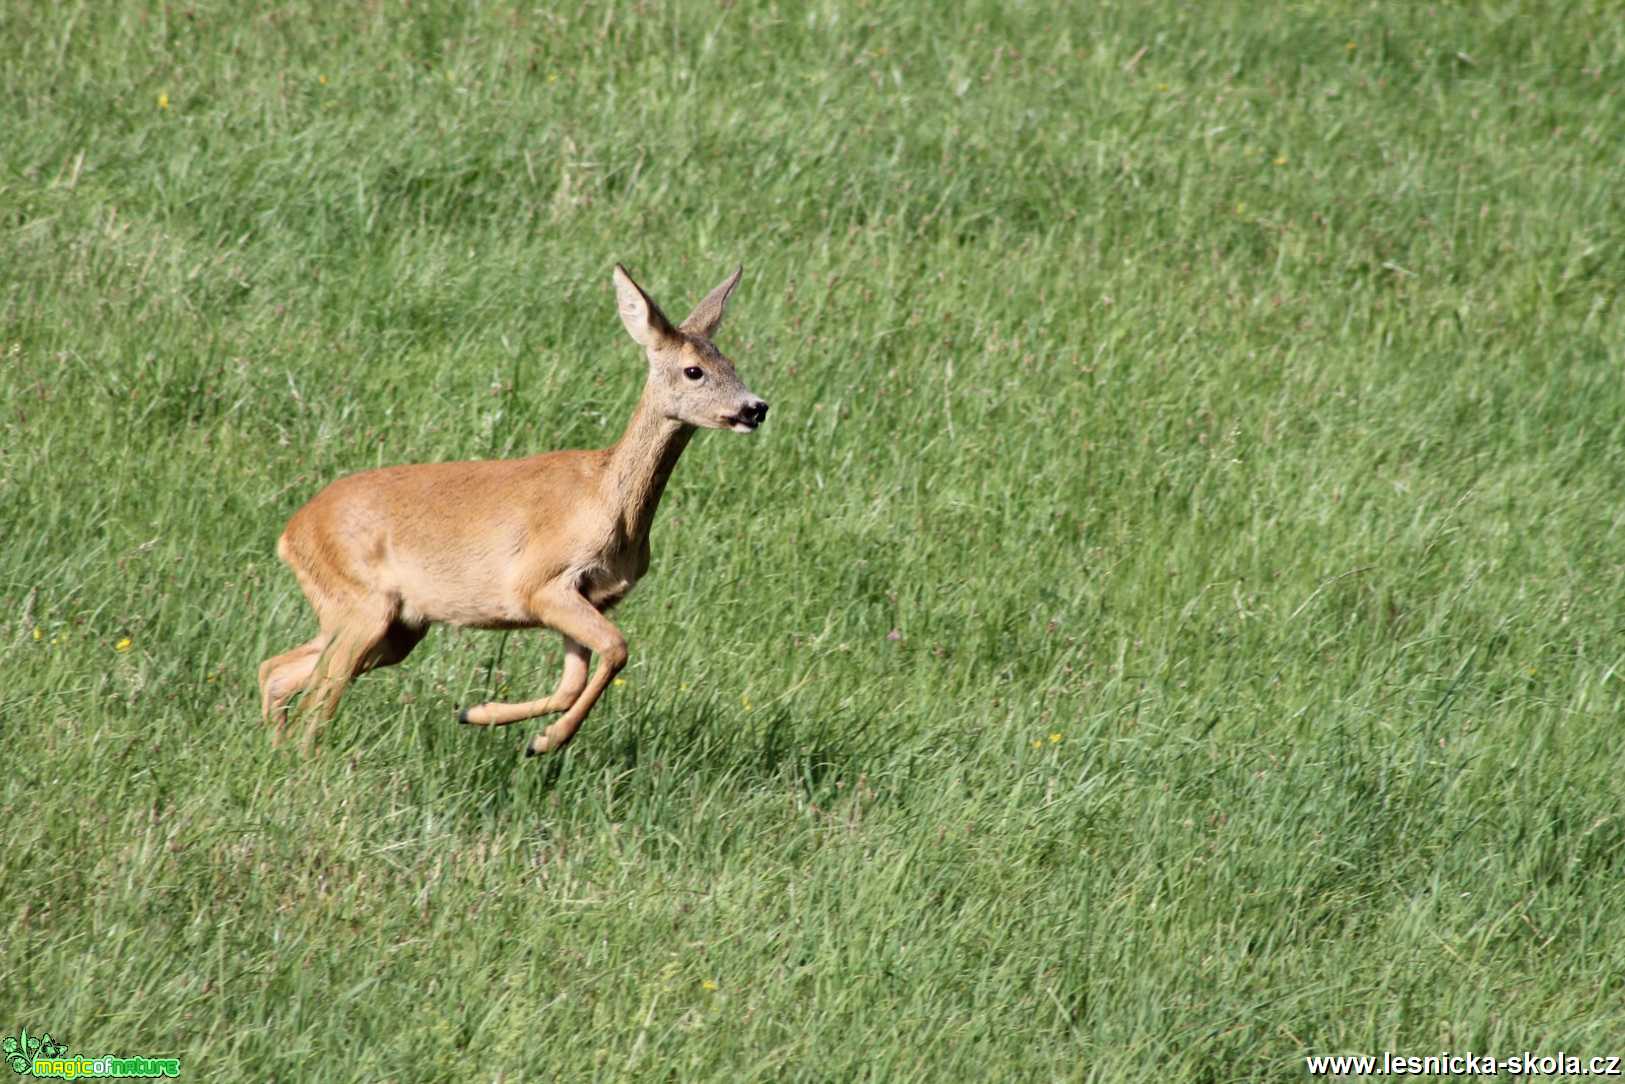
(721, 746)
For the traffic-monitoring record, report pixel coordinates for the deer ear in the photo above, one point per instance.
(644, 321)
(707, 315)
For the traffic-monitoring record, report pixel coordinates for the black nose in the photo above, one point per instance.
(755, 413)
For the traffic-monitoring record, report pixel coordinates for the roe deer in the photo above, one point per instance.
(554, 540)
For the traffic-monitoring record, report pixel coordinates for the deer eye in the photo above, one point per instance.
(693, 372)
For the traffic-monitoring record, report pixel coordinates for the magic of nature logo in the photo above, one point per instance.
(42, 1056)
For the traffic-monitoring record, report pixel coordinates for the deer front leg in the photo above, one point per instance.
(585, 630)
(562, 607)
(571, 682)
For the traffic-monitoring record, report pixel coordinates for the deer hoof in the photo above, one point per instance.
(462, 717)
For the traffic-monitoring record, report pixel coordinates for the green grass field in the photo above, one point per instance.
(1169, 626)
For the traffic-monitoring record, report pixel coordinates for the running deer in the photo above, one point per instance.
(554, 540)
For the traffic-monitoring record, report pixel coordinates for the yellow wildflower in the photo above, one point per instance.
(163, 100)
(1055, 739)
(124, 644)
(709, 984)
(39, 633)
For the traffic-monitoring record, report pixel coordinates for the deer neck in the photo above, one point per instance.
(641, 462)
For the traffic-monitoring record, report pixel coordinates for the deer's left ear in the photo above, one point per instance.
(707, 315)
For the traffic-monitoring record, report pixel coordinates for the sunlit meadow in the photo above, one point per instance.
(1168, 626)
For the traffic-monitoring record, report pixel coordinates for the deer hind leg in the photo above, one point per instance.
(363, 640)
(284, 676)
(571, 682)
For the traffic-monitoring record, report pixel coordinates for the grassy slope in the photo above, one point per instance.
(1225, 410)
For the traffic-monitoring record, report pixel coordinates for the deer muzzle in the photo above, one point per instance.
(751, 415)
